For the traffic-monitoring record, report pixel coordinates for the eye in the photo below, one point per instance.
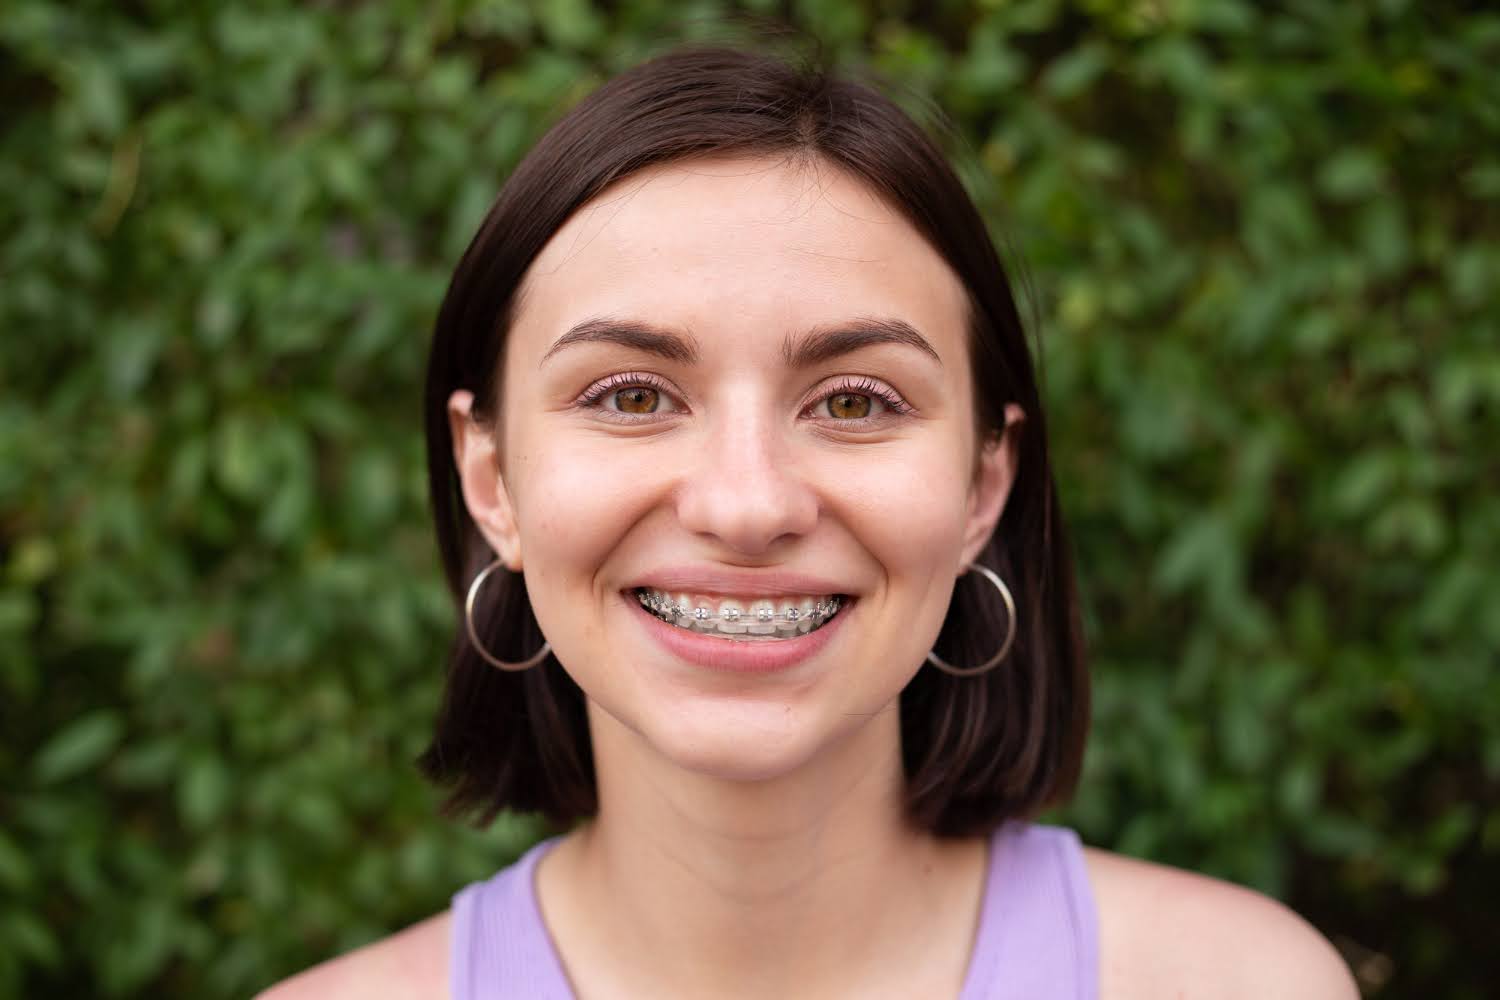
(858, 400)
(628, 395)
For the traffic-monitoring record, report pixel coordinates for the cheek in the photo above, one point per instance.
(578, 499)
(907, 511)
(575, 502)
(908, 507)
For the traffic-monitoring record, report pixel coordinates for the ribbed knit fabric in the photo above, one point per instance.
(1038, 935)
(500, 947)
(1037, 939)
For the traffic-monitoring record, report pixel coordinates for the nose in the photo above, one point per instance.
(744, 489)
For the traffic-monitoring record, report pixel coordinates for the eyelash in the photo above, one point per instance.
(626, 380)
(861, 385)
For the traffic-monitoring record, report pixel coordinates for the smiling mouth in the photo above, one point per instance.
(761, 619)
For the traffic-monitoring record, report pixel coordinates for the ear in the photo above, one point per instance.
(992, 482)
(476, 456)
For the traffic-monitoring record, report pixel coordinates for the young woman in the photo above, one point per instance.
(740, 472)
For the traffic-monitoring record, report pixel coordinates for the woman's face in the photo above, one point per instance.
(737, 385)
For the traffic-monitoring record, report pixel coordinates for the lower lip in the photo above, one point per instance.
(732, 656)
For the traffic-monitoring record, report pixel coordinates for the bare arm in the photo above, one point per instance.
(1171, 933)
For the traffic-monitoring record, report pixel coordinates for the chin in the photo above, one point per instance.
(726, 761)
(742, 742)
(755, 742)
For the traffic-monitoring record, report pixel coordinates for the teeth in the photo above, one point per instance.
(762, 614)
(763, 618)
(787, 617)
(682, 610)
(731, 613)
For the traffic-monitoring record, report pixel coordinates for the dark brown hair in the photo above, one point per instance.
(976, 750)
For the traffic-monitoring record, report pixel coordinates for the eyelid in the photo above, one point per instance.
(592, 397)
(862, 385)
(623, 380)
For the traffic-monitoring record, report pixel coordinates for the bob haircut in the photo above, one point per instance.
(976, 750)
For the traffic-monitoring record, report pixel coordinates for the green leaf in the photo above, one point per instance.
(78, 746)
(203, 791)
(1352, 174)
(15, 868)
(1073, 73)
(32, 938)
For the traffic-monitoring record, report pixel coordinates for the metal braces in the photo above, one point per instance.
(667, 609)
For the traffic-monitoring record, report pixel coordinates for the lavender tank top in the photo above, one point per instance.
(1037, 939)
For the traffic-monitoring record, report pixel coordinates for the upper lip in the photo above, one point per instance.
(730, 581)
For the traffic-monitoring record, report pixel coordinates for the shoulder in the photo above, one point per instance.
(1168, 932)
(409, 964)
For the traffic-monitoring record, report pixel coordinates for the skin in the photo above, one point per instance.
(750, 840)
(743, 816)
(737, 256)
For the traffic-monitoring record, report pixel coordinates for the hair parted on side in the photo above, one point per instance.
(976, 750)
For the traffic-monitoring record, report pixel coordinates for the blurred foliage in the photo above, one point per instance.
(1262, 243)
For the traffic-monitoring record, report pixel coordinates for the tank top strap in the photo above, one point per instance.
(500, 947)
(1038, 935)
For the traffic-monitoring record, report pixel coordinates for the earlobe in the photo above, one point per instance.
(993, 480)
(476, 457)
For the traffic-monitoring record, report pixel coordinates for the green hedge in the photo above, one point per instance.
(1262, 243)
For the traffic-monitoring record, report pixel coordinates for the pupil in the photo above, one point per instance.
(637, 400)
(849, 404)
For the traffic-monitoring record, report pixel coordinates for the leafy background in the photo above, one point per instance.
(1261, 243)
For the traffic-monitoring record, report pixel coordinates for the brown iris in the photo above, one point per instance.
(637, 399)
(849, 405)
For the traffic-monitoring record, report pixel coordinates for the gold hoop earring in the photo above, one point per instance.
(474, 635)
(1010, 636)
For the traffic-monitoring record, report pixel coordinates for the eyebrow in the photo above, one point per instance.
(825, 343)
(627, 333)
(813, 347)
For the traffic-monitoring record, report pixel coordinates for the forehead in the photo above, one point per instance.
(739, 247)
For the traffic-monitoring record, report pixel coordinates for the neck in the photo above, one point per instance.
(777, 885)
